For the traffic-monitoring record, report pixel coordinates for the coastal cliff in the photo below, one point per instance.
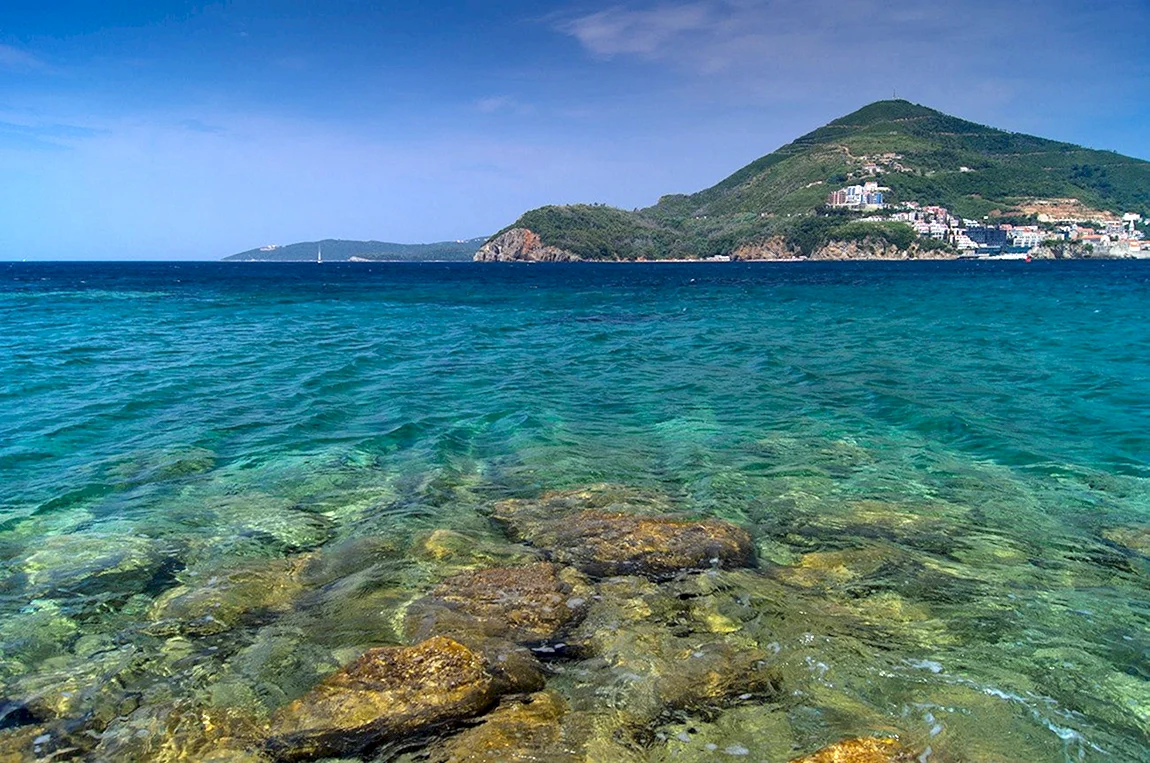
(777, 248)
(522, 245)
(873, 249)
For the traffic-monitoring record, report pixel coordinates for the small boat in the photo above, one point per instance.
(319, 254)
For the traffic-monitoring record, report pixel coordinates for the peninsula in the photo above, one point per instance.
(339, 250)
(893, 180)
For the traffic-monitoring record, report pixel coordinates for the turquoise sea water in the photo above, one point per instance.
(945, 467)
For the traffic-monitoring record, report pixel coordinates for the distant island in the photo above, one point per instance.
(338, 250)
(893, 180)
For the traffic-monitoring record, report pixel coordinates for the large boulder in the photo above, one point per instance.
(522, 245)
(606, 543)
(388, 694)
(528, 605)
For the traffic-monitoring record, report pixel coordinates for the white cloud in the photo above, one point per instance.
(647, 32)
(716, 35)
(787, 52)
(15, 58)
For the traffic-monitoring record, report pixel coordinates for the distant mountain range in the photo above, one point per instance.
(774, 207)
(338, 250)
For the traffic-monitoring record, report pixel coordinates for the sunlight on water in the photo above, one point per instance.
(224, 482)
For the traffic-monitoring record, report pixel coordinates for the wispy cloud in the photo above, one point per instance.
(647, 32)
(43, 137)
(716, 33)
(195, 125)
(15, 58)
(502, 104)
(771, 49)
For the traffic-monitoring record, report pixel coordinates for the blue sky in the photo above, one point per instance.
(174, 129)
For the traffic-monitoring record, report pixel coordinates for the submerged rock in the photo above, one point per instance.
(665, 647)
(209, 604)
(604, 543)
(1135, 538)
(861, 750)
(455, 548)
(181, 732)
(146, 467)
(278, 666)
(532, 604)
(82, 564)
(22, 744)
(747, 732)
(520, 731)
(603, 496)
(39, 632)
(386, 695)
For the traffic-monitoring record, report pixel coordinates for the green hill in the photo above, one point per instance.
(336, 250)
(921, 154)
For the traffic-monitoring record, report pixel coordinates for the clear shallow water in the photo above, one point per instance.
(946, 468)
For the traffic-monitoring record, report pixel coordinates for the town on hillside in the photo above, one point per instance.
(1057, 222)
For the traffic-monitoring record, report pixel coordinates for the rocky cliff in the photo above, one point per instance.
(522, 245)
(875, 249)
(776, 248)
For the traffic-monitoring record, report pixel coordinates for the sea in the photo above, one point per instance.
(219, 482)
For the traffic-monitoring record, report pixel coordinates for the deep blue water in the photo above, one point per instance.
(983, 429)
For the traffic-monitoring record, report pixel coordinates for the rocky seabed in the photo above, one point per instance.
(603, 627)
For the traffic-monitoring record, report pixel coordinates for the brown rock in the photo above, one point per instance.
(861, 750)
(387, 694)
(519, 731)
(528, 605)
(614, 543)
(522, 245)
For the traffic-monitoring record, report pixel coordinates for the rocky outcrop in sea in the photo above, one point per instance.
(522, 245)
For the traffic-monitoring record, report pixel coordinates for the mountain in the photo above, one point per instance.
(775, 205)
(336, 250)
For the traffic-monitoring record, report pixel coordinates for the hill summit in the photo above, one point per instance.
(858, 180)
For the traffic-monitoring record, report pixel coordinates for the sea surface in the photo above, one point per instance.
(219, 482)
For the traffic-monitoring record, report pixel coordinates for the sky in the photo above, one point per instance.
(174, 129)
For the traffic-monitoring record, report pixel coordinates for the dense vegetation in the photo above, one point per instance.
(336, 250)
(972, 169)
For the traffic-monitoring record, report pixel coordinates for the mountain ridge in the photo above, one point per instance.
(346, 250)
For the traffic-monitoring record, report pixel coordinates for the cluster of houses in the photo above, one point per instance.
(981, 238)
(868, 196)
